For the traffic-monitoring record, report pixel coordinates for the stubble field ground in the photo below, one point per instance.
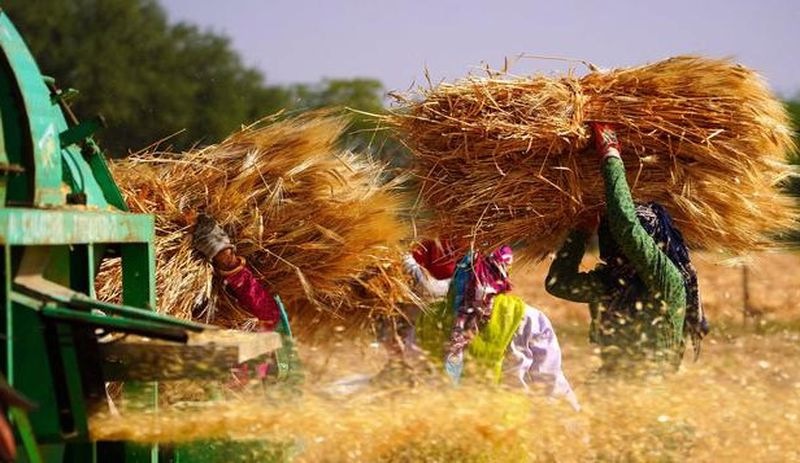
(739, 401)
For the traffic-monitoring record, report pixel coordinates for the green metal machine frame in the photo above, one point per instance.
(60, 214)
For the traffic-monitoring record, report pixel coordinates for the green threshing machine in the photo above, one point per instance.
(61, 214)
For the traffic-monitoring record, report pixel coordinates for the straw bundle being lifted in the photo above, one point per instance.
(503, 159)
(315, 222)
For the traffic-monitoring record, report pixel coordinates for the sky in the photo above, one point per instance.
(396, 41)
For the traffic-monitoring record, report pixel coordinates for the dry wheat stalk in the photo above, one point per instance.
(314, 221)
(502, 159)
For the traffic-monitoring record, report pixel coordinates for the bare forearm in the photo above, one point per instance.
(564, 280)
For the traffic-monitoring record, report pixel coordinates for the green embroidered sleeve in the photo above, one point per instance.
(655, 269)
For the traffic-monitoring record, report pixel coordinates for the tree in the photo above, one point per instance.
(794, 112)
(793, 184)
(361, 98)
(152, 79)
(148, 78)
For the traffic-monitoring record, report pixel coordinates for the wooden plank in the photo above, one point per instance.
(206, 355)
(250, 344)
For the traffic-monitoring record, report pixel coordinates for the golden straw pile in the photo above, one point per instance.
(503, 159)
(314, 221)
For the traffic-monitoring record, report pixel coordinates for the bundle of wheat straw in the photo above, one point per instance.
(503, 159)
(315, 222)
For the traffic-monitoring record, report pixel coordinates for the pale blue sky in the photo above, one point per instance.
(306, 40)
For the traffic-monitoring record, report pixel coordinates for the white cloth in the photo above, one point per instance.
(426, 285)
(534, 356)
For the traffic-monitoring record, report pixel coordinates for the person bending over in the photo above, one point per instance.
(492, 332)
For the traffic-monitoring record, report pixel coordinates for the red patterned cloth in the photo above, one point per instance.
(473, 299)
(437, 257)
(244, 372)
(256, 299)
(253, 297)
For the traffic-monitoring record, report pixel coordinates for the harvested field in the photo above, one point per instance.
(742, 398)
(774, 291)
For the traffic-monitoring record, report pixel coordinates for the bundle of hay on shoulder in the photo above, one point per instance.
(503, 159)
(315, 222)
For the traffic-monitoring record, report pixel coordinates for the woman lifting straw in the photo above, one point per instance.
(212, 242)
(643, 298)
(500, 334)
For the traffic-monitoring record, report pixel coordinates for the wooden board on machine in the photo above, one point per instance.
(209, 354)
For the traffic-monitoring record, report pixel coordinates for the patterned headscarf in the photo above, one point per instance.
(475, 283)
(657, 222)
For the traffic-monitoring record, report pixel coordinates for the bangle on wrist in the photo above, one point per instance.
(611, 152)
(237, 269)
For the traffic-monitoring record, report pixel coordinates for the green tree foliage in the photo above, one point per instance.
(793, 184)
(361, 98)
(794, 110)
(150, 79)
